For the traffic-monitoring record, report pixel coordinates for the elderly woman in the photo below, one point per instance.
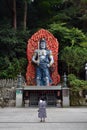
(42, 110)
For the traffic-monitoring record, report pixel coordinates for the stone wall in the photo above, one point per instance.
(8, 92)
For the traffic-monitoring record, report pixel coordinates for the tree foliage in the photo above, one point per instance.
(76, 89)
(67, 36)
(66, 19)
(75, 58)
(12, 51)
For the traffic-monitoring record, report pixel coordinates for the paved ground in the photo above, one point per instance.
(57, 119)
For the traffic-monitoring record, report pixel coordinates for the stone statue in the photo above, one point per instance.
(43, 59)
(51, 51)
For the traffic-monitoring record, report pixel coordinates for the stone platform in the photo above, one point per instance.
(55, 95)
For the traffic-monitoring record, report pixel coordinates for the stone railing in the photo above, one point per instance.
(8, 83)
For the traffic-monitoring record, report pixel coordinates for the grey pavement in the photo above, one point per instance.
(57, 119)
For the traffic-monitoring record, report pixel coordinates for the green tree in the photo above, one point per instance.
(75, 58)
(13, 45)
(14, 15)
(76, 86)
(67, 36)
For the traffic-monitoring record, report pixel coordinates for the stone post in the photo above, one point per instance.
(86, 71)
(19, 92)
(19, 83)
(86, 80)
(65, 92)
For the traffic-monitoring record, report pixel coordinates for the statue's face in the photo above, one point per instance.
(42, 45)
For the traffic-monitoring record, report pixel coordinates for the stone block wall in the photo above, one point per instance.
(8, 92)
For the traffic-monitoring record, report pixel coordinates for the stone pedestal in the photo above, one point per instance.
(58, 103)
(26, 103)
(19, 97)
(65, 97)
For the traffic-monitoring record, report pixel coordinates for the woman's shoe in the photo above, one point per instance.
(43, 120)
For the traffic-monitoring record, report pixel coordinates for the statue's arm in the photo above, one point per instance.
(51, 59)
(34, 60)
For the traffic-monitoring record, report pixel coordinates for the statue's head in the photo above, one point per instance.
(42, 43)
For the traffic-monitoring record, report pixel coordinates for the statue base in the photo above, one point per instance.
(30, 95)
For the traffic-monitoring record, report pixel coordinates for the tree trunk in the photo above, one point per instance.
(25, 14)
(14, 15)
